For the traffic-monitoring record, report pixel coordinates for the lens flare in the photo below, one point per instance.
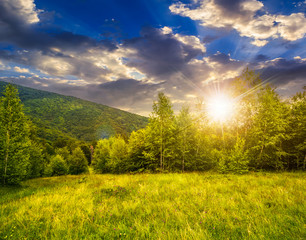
(220, 108)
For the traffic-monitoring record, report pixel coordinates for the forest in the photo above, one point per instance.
(263, 133)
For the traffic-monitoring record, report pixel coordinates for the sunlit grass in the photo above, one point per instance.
(161, 206)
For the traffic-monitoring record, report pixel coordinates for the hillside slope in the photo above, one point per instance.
(84, 120)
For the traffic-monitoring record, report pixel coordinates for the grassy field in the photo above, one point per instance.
(156, 206)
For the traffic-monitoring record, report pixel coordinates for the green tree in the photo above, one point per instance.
(296, 142)
(163, 128)
(118, 155)
(267, 134)
(14, 138)
(57, 166)
(244, 89)
(186, 142)
(208, 139)
(37, 162)
(136, 148)
(235, 160)
(101, 156)
(78, 163)
(64, 152)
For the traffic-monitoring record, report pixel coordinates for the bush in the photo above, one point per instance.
(101, 156)
(37, 162)
(236, 160)
(78, 163)
(57, 166)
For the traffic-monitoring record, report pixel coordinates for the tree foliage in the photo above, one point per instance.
(14, 138)
(77, 163)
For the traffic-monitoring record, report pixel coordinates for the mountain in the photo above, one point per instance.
(57, 115)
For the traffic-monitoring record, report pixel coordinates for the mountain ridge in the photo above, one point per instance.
(78, 118)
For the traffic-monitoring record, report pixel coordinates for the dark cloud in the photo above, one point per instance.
(220, 58)
(209, 39)
(126, 91)
(47, 47)
(281, 71)
(225, 60)
(20, 25)
(159, 54)
(261, 57)
(229, 6)
(233, 9)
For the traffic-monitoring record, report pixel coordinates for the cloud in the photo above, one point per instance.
(19, 26)
(161, 53)
(18, 12)
(282, 72)
(130, 73)
(3, 66)
(245, 16)
(292, 27)
(126, 93)
(21, 70)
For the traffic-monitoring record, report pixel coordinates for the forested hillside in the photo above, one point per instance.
(249, 128)
(57, 115)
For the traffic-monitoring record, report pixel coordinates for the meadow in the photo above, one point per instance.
(156, 206)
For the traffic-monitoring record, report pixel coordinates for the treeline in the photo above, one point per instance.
(263, 133)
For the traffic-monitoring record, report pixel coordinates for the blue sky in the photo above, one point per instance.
(122, 53)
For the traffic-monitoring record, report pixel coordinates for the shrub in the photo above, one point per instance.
(78, 163)
(57, 166)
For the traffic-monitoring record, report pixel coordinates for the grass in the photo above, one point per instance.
(156, 206)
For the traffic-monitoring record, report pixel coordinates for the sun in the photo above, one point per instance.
(220, 107)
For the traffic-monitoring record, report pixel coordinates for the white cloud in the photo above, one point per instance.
(259, 43)
(4, 67)
(23, 9)
(252, 5)
(21, 70)
(244, 18)
(292, 27)
(190, 40)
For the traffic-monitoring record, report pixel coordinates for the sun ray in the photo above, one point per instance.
(220, 107)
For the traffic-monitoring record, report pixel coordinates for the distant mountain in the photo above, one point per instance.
(56, 114)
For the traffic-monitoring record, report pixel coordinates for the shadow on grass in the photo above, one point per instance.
(32, 186)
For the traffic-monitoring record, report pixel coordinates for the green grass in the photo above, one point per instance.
(156, 206)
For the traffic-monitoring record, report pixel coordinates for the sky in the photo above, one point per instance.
(122, 53)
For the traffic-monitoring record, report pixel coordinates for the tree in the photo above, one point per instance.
(244, 89)
(118, 155)
(86, 150)
(101, 156)
(14, 138)
(136, 148)
(64, 153)
(163, 128)
(78, 163)
(37, 162)
(57, 166)
(236, 160)
(186, 143)
(267, 134)
(295, 144)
